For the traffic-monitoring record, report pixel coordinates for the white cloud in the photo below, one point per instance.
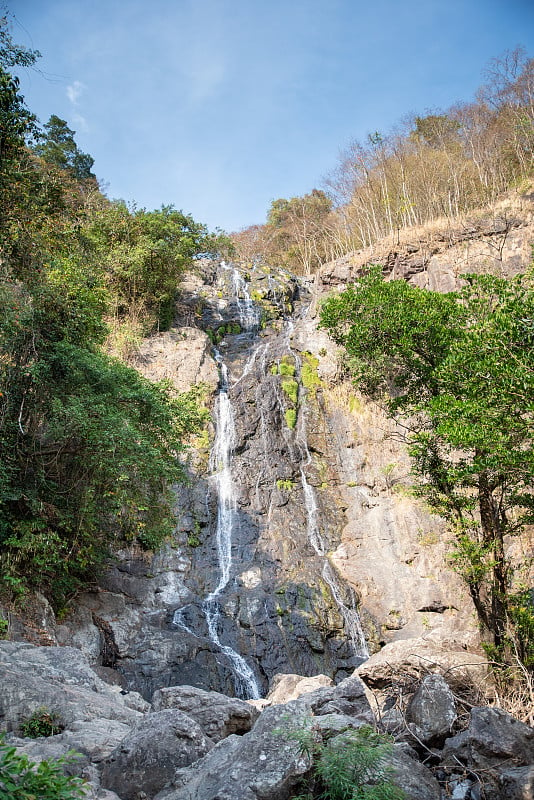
(74, 92)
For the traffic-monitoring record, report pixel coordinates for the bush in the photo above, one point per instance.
(42, 722)
(350, 766)
(22, 779)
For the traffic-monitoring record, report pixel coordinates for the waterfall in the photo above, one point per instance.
(351, 618)
(245, 683)
(249, 313)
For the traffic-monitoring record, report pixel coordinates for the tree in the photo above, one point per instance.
(459, 369)
(58, 147)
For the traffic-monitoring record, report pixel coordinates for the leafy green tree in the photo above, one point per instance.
(459, 368)
(58, 147)
(144, 254)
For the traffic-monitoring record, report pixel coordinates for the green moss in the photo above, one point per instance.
(286, 485)
(291, 387)
(309, 374)
(291, 417)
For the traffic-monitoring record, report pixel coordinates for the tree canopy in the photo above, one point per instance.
(88, 448)
(459, 369)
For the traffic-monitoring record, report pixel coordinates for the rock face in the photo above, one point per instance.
(147, 758)
(217, 715)
(321, 524)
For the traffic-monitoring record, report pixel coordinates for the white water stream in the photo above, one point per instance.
(246, 685)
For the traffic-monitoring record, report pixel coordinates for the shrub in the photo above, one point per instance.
(291, 417)
(22, 779)
(290, 387)
(42, 722)
(350, 766)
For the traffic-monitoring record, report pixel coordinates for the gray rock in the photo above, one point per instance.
(60, 679)
(418, 657)
(517, 783)
(147, 758)
(413, 777)
(284, 688)
(347, 698)
(261, 765)
(492, 737)
(432, 710)
(218, 715)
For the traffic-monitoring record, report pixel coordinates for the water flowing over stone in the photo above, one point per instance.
(246, 685)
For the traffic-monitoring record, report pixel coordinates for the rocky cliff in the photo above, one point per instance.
(298, 546)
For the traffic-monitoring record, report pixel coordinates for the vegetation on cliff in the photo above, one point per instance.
(458, 369)
(88, 448)
(438, 165)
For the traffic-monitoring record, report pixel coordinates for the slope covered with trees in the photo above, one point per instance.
(88, 447)
(438, 165)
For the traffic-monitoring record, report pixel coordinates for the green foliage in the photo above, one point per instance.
(22, 779)
(58, 147)
(4, 628)
(41, 723)
(349, 766)
(309, 374)
(286, 368)
(290, 416)
(88, 448)
(291, 388)
(285, 485)
(459, 367)
(144, 253)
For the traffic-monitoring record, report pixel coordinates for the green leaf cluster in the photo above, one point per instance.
(22, 779)
(88, 448)
(42, 722)
(459, 369)
(350, 766)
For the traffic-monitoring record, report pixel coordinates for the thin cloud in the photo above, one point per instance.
(74, 92)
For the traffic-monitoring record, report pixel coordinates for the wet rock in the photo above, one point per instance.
(147, 758)
(218, 715)
(432, 710)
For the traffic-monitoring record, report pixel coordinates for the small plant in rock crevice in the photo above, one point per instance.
(42, 722)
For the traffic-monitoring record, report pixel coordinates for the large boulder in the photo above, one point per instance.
(411, 776)
(261, 765)
(431, 711)
(147, 758)
(218, 715)
(61, 680)
(416, 658)
(289, 687)
(348, 698)
(493, 737)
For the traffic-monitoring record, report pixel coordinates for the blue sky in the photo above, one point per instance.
(220, 106)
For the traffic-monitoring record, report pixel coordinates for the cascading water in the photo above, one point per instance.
(245, 683)
(351, 618)
(247, 359)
